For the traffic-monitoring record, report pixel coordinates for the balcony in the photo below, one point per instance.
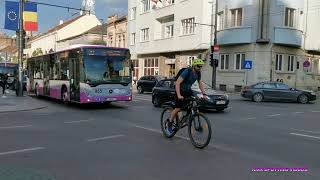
(288, 36)
(164, 10)
(236, 35)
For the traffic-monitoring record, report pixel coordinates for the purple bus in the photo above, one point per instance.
(82, 74)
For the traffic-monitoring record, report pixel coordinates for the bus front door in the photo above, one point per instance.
(74, 80)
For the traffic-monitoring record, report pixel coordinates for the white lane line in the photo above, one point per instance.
(298, 112)
(274, 115)
(142, 99)
(315, 111)
(105, 138)
(22, 151)
(304, 135)
(308, 131)
(251, 118)
(80, 121)
(157, 131)
(14, 127)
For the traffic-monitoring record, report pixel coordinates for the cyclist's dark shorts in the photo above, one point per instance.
(180, 103)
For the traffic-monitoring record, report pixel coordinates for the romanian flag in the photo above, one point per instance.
(30, 17)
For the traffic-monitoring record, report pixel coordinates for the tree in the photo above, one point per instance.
(37, 52)
(98, 42)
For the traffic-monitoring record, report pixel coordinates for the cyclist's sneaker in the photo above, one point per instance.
(170, 127)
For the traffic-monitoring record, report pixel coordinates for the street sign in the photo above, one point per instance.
(247, 64)
(216, 55)
(306, 64)
(215, 48)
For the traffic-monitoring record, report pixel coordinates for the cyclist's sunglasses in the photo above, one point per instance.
(198, 66)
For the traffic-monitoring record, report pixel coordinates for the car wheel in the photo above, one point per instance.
(303, 99)
(140, 90)
(156, 101)
(258, 97)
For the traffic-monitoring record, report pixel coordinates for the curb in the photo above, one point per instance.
(24, 110)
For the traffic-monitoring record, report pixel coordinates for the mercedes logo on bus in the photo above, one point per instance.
(110, 91)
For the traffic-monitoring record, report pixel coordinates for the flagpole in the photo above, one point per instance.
(21, 37)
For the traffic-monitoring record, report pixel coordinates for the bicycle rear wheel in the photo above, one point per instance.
(165, 115)
(199, 129)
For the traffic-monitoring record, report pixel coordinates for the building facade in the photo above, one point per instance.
(53, 40)
(117, 31)
(166, 35)
(273, 34)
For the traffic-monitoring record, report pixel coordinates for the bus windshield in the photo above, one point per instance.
(107, 70)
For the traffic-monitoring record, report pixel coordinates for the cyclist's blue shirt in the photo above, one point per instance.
(188, 79)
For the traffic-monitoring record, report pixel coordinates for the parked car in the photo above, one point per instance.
(164, 91)
(146, 83)
(276, 91)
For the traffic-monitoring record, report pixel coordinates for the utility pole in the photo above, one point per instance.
(21, 37)
(214, 68)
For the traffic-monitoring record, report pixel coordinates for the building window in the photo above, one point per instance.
(239, 61)
(144, 34)
(289, 17)
(236, 17)
(169, 31)
(133, 13)
(145, 6)
(133, 39)
(291, 62)
(188, 26)
(220, 21)
(224, 62)
(135, 64)
(151, 66)
(190, 59)
(279, 62)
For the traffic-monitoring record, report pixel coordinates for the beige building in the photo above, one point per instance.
(8, 49)
(57, 38)
(117, 35)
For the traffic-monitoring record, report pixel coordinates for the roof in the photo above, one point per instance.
(123, 18)
(56, 28)
(10, 49)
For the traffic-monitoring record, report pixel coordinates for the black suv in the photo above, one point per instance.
(146, 83)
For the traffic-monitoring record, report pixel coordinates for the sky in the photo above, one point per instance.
(49, 17)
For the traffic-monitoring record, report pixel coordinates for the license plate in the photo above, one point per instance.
(221, 102)
(111, 99)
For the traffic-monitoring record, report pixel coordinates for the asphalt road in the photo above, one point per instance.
(124, 141)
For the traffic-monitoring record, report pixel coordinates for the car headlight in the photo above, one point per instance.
(227, 96)
(313, 93)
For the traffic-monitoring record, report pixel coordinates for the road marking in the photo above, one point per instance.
(14, 127)
(142, 99)
(70, 122)
(315, 111)
(105, 138)
(251, 118)
(304, 135)
(274, 115)
(302, 130)
(21, 151)
(298, 112)
(157, 131)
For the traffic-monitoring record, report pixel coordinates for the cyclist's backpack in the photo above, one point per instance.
(189, 73)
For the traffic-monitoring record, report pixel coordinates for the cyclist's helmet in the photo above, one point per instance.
(196, 62)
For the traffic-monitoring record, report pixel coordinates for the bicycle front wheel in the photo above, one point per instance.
(199, 129)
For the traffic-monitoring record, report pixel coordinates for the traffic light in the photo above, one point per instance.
(211, 60)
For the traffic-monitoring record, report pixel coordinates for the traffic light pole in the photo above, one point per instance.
(21, 37)
(214, 68)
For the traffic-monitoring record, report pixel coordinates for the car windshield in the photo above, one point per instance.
(102, 69)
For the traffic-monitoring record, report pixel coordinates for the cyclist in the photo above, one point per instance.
(185, 80)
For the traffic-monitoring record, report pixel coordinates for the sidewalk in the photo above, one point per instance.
(12, 103)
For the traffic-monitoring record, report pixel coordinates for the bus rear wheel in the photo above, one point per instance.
(64, 95)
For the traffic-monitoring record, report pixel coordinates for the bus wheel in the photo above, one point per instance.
(36, 91)
(64, 95)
